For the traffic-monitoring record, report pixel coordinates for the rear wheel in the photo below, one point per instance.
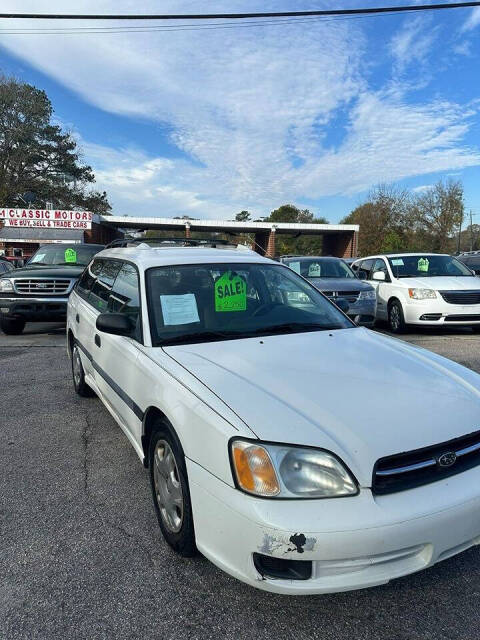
(396, 318)
(78, 375)
(171, 494)
(12, 327)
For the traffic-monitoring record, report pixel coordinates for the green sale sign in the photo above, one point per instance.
(230, 293)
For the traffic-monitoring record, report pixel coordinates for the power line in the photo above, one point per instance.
(177, 27)
(242, 16)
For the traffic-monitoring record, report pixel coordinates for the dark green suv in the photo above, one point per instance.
(39, 292)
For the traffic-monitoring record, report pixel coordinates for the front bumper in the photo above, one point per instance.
(439, 313)
(353, 542)
(362, 312)
(34, 309)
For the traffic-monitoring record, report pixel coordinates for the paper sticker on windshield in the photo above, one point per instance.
(314, 270)
(294, 266)
(179, 309)
(70, 255)
(230, 293)
(397, 262)
(422, 264)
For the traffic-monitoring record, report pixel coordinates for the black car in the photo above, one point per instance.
(39, 292)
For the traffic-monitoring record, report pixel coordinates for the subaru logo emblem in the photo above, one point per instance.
(447, 459)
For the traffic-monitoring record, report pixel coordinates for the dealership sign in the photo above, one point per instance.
(46, 218)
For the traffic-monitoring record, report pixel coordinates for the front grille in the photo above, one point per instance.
(461, 297)
(351, 296)
(423, 466)
(42, 286)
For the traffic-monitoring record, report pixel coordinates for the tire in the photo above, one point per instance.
(396, 319)
(12, 327)
(78, 374)
(170, 490)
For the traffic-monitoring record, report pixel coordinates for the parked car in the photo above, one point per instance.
(472, 260)
(298, 452)
(39, 292)
(425, 289)
(334, 278)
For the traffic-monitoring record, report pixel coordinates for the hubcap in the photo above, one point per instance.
(76, 367)
(394, 317)
(168, 488)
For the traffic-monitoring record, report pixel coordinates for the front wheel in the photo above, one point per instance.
(396, 318)
(78, 375)
(12, 327)
(171, 495)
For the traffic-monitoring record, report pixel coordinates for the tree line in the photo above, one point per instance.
(392, 220)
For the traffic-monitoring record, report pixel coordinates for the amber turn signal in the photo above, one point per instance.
(254, 469)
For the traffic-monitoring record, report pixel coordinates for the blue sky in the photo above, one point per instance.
(208, 122)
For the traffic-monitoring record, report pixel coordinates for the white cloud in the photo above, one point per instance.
(413, 42)
(422, 188)
(242, 103)
(472, 21)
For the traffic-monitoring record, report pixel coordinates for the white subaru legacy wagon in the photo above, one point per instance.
(298, 452)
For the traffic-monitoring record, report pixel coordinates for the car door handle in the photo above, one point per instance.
(98, 342)
(77, 318)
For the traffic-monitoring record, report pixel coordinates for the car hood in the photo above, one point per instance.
(59, 271)
(443, 283)
(340, 284)
(352, 391)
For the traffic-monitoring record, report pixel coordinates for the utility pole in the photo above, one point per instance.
(471, 231)
(459, 232)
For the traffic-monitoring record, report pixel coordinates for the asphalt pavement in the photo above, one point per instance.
(81, 555)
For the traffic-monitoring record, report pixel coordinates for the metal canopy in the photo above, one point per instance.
(225, 226)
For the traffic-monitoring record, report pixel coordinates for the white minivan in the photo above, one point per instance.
(242, 389)
(424, 289)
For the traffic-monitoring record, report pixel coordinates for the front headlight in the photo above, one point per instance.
(6, 285)
(422, 294)
(283, 471)
(367, 295)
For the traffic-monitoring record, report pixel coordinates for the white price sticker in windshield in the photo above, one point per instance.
(179, 309)
(397, 262)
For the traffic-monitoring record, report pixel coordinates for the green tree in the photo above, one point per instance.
(385, 220)
(38, 157)
(243, 216)
(298, 244)
(439, 213)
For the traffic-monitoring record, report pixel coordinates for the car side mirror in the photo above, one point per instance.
(342, 304)
(361, 275)
(117, 324)
(379, 275)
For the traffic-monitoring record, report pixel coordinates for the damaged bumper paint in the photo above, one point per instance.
(352, 543)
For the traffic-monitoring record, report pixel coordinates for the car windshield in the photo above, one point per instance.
(425, 266)
(208, 302)
(64, 254)
(320, 268)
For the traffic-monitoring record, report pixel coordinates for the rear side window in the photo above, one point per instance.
(88, 278)
(102, 286)
(365, 267)
(125, 298)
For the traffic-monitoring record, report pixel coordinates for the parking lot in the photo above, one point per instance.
(82, 555)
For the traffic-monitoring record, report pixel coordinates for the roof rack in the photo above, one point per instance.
(162, 241)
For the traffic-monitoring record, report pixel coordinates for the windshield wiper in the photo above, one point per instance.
(293, 327)
(200, 336)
